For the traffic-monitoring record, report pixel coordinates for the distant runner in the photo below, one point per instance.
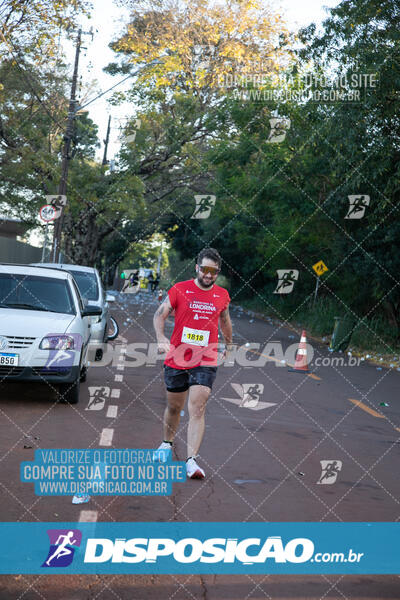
(151, 281)
(156, 282)
(191, 360)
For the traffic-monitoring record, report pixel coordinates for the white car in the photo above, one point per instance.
(44, 328)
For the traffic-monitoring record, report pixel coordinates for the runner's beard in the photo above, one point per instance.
(205, 283)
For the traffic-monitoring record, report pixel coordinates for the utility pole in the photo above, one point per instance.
(62, 188)
(105, 161)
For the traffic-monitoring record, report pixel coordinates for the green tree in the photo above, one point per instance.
(32, 111)
(363, 141)
(32, 28)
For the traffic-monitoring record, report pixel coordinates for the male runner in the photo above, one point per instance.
(191, 360)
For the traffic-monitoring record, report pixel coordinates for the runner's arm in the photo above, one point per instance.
(226, 327)
(159, 319)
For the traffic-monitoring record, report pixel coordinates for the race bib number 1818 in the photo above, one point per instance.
(196, 337)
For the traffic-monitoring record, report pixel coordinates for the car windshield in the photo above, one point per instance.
(31, 292)
(87, 284)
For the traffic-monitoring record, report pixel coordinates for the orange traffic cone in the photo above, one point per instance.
(300, 365)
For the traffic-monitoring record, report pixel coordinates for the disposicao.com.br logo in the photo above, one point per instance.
(191, 550)
(62, 547)
(201, 547)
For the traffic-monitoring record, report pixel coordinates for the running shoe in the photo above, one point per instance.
(161, 454)
(80, 499)
(193, 471)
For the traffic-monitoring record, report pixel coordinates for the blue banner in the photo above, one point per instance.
(230, 548)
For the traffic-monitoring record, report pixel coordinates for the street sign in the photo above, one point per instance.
(320, 268)
(48, 213)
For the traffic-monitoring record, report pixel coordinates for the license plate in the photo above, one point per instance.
(9, 360)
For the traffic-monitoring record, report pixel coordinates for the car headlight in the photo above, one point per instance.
(57, 342)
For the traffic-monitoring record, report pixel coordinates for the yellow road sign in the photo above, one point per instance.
(320, 268)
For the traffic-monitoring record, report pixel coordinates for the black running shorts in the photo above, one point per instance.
(179, 380)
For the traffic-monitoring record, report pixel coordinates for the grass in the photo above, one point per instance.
(372, 334)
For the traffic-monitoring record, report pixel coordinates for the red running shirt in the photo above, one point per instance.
(194, 341)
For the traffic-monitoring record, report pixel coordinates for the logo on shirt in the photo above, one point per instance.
(215, 295)
(189, 292)
(206, 306)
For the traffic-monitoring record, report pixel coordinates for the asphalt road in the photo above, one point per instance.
(262, 463)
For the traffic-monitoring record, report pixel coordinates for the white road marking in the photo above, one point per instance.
(106, 437)
(115, 393)
(121, 357)
(120, 368)
(119, 377)
(88, 516)
(112, 411)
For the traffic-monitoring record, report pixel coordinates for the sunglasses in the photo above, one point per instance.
(211, 270)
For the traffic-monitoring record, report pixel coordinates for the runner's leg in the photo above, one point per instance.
(172, 415)
(198, 396)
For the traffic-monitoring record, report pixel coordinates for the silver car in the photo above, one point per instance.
(103, 328)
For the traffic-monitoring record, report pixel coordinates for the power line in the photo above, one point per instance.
(153, 62)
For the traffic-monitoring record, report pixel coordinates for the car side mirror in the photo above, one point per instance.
(110, 298)
(91, 310)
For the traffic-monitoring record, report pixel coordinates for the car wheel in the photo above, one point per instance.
(69, 392)
(113, 329)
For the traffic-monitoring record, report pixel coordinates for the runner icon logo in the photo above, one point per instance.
(62, 547)
(204, 205)
(52, 210)
(250, 394)
(279, 129)
(56, 200)
(330, 470)
(98, 397)
(128, 138)
(62, 348)
(286, 280)
(202, 56)
(357, 206)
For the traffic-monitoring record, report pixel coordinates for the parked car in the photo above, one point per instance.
(44, 328)
(104, 327)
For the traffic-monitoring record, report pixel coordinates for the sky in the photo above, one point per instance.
(107, 21)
